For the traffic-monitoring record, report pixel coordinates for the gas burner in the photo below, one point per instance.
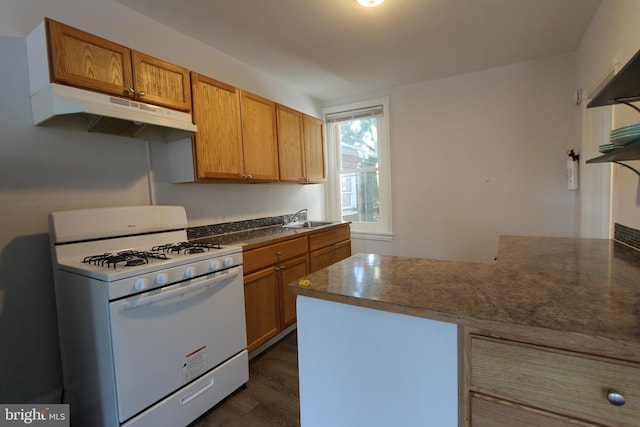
(186, 248)
(124, 258)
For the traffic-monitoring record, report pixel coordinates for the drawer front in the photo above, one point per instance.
(562, 382)
(487, 412)
(330, 237)
(268, 255)
(330, 255)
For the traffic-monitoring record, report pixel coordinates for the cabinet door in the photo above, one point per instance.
(218, 143)
(314, 149)
(290, 145)
(290, 271)
(261, 306)
(84, 60)
(259, 143)
(161, 83)
(330, 255)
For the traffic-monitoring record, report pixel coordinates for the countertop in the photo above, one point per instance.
(581, 286)
(253, 238)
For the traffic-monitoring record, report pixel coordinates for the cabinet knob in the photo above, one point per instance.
(615, 398)
(140, 94)
(279, 253)
(130, 91)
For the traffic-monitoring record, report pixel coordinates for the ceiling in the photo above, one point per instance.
(332, 49)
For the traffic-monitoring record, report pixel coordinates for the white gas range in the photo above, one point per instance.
(152, 327)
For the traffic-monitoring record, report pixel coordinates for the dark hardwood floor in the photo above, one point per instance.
(271, 397)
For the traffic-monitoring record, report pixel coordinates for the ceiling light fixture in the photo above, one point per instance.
(370, 3)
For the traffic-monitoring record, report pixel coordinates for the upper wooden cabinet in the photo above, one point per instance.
(314, 151)
(236, 137)
(290, 144)
(218, 143)
(161, 83)
(259, 138)
(300, 147)
(84, 60)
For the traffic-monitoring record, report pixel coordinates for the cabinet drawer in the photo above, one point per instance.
(566, 383)
(272, 254)
(329, 255)
(330, 237)
(488, 412)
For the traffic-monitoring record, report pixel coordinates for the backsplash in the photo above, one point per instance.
(626, 235)
(238, 226)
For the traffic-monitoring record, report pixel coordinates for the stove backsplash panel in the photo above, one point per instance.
(238, 226)
(627, 235)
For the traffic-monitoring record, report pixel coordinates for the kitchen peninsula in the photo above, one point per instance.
(549, 335)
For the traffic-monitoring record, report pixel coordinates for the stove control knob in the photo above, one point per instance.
(215, 265)
(141, 284)
(228, 261)
(189, 272)
(162, 279)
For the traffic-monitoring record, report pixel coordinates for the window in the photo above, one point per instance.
(358, 181)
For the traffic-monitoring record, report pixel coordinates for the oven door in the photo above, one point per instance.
(166, 338)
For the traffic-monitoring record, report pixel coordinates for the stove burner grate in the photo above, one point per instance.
(125, 258)
(186, 247)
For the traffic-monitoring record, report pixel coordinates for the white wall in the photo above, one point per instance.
(612, 38)
(473, 156)
(480, 155)
(44, 170)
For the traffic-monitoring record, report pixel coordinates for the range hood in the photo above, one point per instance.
(69, 107)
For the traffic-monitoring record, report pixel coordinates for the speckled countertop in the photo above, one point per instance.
(585, 286)
(253, 238)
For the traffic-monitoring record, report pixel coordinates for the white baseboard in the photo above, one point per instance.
(272, 341)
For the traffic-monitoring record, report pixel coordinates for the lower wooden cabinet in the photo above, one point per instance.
(290, 271)
(269, 309)
(511, 383)
(261, 306)
(268, 269)
(329, 247)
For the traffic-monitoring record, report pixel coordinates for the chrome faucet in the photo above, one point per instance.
(294, 217)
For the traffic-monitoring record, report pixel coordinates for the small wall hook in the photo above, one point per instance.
(575, 157)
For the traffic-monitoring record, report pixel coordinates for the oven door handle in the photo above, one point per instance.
(208, 282)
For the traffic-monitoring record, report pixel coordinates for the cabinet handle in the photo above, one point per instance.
(130, 91)
(615, 398)
(279, 253)
(140, 94)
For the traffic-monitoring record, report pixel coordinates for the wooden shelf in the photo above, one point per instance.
(624, 87)
(630, 151)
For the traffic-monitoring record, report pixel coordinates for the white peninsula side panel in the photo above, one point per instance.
(364, 367)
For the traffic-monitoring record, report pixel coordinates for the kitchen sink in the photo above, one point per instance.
(309, 224)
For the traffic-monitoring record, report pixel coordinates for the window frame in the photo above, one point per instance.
(381, 230)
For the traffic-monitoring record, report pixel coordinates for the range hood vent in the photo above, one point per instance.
(72, 108)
